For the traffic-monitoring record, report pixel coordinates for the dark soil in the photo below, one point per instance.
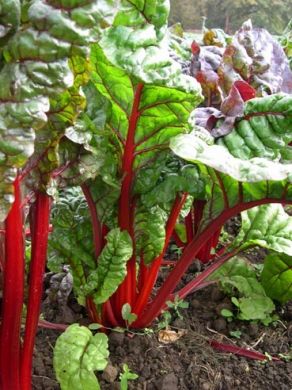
(188, 363)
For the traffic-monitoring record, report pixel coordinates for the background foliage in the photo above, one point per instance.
(230, 14)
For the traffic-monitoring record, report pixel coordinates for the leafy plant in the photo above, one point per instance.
(238, 279)
(125, 376)
(108, 111)
(77, 355)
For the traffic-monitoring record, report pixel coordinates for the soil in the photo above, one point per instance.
(189, 362)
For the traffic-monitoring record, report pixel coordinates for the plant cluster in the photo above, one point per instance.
(105, 160)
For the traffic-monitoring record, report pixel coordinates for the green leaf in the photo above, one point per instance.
(268, 226)
(127, 314)
(276, 277)
(149, 233)
(36, 76)
(235, 266)
(264, 131)
(70, 242)
(192, 148)
(112, 266)
(77, 354)
(253, 302)
(255, 307)
(137, 42)
(226, 313)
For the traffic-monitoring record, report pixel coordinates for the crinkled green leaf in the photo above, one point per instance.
(112, 266)
(163, 112)
(137, 42)
(77, 354)
(264, 131)
(193, 148)
(9, 19)
(268, 226)
(276, 276)
(235, 266)
(149, 232)
(35, 74)
(70, 242)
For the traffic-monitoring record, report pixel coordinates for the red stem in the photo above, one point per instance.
(194, 284)
(127, 289)
(12, 296)
(187, 257)
(240, 351)
(39, 245)
(189, 226)
(154, 269)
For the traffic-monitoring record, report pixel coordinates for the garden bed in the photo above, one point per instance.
(190, 362)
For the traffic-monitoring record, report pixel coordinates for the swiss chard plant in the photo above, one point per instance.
(111, 113)
(238, 157)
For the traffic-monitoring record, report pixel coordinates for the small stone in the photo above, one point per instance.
(253, 329)
(206, 386)
(216, 294)
(169, 382)
(220, 324)
(110, 373)
(196, 266)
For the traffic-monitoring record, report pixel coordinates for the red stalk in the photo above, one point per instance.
(37, 268)
(12, 296)
(187, 257)
(241, 351)
(127, 289)
(189, 226)
(196, 283)
(153, 273)
(109, 314)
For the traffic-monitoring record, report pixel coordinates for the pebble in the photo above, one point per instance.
(169, 382)
(220, 324)
(110, 373)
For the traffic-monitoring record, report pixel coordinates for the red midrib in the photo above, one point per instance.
(12, 296)
(126, 291)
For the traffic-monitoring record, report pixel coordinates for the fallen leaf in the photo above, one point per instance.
(168, 336)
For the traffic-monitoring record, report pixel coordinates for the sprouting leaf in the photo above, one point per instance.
(127, 314)
(276, 277)
(77, 354)
(125, 376)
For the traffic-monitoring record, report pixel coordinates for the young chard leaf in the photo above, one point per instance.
(276, 277)
(112, 266)
(77, 354)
